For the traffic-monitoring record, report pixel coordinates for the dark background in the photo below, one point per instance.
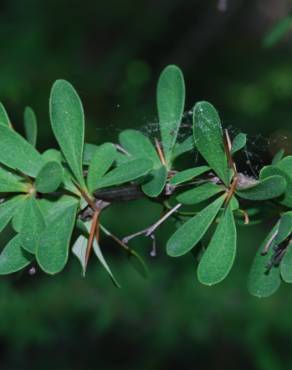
(112, 52)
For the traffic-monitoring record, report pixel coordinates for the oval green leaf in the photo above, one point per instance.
(261, 281)
(139, 146)
(238, 143)
(208, 138)
(190, 233)
(100, 163)
(32, 225)
(17, 153)
(11, 183)
(188, 175)
(268, 188)
(49, 178)
(154, 187)
(170, 105)
(67, 120)
(30, 126)
(52, 252)
(199, 193)
(219, 257)
(13, 258)
(126, 172)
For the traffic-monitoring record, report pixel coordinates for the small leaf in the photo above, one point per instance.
(199, 193)
(33, 223)
(52, 155)
(286, 265)
(101, 162)
(261, 281)
(7, 210)
(89, 150)
(49, 177)
(170, 104)
(218, 259)
(11, 183)
(129, 171)
(185, 146)
(278, 156)
(30, 126)
(13, 258)
(17, 153)
(52, 252)
(268, 188)
(285, 227)
(238, 143)
(269, 171)
(67, 120)
(208, 137)
(139, 146)
(191, 232)
(188, 174)
(154, 187)
(18, 214)
(4, 118)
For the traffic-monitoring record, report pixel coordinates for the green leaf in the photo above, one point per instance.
(8, 208)
(49, 177)
(219, 257)
(52, 252)
(278, 156)
(208, 138)
(261, 281)
(286, 265)
(199, 193)
(269, 171)
(13, 258)
(157, 183)
(67, 120)
(126, 172)
(52, 155)
(185, 146)
(4, 118)
(30, 126)
(11, 183)
(170, 104)
(89, 150)
(268, 188)
(101, 162)
(285, 227)
(18, 213)
(139, 146)
(191, 232)
(188, 174)
(238, 143)
(278, 31)
(17, 153)
(32, 225)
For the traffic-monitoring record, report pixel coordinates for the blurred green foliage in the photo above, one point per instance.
(113, 52)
